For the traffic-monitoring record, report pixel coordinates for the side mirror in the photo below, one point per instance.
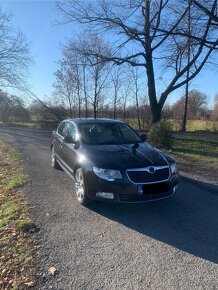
(76, 144)
(71, 140)
(68, 139)
(144, 137)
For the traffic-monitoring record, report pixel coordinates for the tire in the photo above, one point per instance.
(54, 162)
(80, 187)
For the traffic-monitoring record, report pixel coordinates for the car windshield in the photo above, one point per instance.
(108, 133)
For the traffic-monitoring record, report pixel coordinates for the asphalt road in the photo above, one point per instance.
(169, 244)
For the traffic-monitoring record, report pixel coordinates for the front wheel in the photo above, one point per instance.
(80, 187)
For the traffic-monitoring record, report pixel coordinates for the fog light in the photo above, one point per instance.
(108, 195)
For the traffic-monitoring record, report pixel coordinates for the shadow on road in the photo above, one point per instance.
(188, 221)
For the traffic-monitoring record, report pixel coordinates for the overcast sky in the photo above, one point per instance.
(36, 19)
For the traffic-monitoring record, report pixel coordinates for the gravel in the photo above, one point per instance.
(169, 244)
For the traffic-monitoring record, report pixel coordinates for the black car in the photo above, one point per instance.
(110, 161)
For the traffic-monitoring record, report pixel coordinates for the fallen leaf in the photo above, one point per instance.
(52, 270)
(30, 284)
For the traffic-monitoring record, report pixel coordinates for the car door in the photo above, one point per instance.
(59, 140)
(69, 153)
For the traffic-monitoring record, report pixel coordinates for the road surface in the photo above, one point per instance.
(168, 244)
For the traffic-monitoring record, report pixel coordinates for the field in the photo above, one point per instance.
(197, 154)
(197, 125)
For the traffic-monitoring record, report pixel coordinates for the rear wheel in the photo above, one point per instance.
(54, 162)
(80, 186)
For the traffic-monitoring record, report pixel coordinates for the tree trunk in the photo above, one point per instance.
(115, 102)
(70, 107)
(187, 76)
(137, 107)
(85, 92)
(95, 103)
(138, 118)
(95, 111)
(79, 103)
(155, 108)
(124, 113)
(79, 98)
(186, 108)
(156, 113)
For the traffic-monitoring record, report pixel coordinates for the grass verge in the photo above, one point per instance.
(17, 256)
(197, 153)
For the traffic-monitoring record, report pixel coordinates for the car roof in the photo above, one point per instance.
(79, 121)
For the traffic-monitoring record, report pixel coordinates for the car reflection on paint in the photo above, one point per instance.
(110, 161)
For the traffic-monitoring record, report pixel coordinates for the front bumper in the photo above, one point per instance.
(127, 192)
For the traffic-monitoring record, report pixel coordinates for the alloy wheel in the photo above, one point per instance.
(80, 186)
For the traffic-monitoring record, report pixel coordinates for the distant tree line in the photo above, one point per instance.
(12, 109)
(138, 114)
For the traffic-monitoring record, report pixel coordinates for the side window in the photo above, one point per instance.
(71, 130)
(65, 130)
(61, 129)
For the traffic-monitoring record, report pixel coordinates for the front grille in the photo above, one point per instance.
(144, 176)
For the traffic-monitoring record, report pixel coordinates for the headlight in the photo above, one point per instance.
(173, 168)
(108, 174)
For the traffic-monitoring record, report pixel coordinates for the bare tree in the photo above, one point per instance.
(215, 109)
(146, 31)
(126, 89)
(6, 106)
(196, 106)
(188, 70)
(117, 75)
(205, 7)
(69, 80)
(136, 84)
(49, 112)
(196, 102)
(14, 54)
(12, 108)
(95, 72)
(65, 88)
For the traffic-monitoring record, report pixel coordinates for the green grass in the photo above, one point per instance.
(17, 259)
(30, 124)
(196, 125)
(16, 181)
(10, 210)
(192, 125)
(195, 146)
(196, 153)
(201, 125)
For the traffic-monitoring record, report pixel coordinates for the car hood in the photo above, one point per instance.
(124, 156)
